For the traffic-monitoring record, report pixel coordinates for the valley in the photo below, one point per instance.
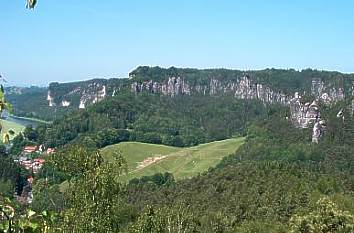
(258, 151)
(176, 116)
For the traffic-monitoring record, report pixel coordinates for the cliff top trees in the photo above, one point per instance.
(31, 4)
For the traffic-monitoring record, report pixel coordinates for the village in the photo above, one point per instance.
(32, 158)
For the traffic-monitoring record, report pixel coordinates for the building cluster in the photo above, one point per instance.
(33, 164)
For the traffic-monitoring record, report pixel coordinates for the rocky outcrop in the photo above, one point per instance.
(242, 88)
(318, 131)
(268, 86)
(304, 114)
(93, 94)
(50, 99)
(172, 87)
(77, 95)
(327, 93)
(65, 103)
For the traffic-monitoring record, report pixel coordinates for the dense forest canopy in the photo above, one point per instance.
(182, 121)
(277, 181)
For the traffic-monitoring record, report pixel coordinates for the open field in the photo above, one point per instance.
(9, 125)
(147, 159)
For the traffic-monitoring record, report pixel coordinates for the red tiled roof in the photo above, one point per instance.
(30, 149)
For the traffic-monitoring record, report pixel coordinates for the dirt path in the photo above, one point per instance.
(149, 161)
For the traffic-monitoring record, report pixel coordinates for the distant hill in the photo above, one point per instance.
(32, 102)
(147, 159)
(268, 86)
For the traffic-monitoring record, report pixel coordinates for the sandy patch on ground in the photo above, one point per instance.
(149, 161)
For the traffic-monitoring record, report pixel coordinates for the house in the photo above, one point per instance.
(32, 165)
(39, 161)
(37, 164)
(30, 149)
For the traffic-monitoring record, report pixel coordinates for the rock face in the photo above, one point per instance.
(284, 87)
(317, 132)
(50, 99)
(242, 88)
(77, 95)
(307, 115)
(326, 92)
(304, 115)
(65, 103)
(93, 94)
(172, 87)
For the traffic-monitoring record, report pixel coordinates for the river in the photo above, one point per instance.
(24, 121)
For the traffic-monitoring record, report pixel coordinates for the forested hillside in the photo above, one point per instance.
(182, 121)
(32, 102)
(278, 181)
(177, 107)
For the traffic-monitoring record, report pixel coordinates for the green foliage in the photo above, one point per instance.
(12, 176)
(158, 179)
(181, 122)
(14, 219)
(32, 102)
(272, 180)
(30, 134)
(177, 219)
(93, 191)
(3, 151)
(6, 187)
(107, 137)
(268, 185)
(326, 218)
(75, 161)
(17, 144)
(47, 197)
(261, 227)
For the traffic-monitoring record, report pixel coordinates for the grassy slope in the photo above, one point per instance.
(182, 162)
(8, 125)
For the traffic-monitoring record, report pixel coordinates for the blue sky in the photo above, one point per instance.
(77, 40)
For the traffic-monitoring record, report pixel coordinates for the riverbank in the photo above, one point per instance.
(24, 121)
(31, 119)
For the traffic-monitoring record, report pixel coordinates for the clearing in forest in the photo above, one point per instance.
(147, 159)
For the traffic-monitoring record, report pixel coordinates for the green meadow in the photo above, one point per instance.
(9, 125)
(148, 159)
